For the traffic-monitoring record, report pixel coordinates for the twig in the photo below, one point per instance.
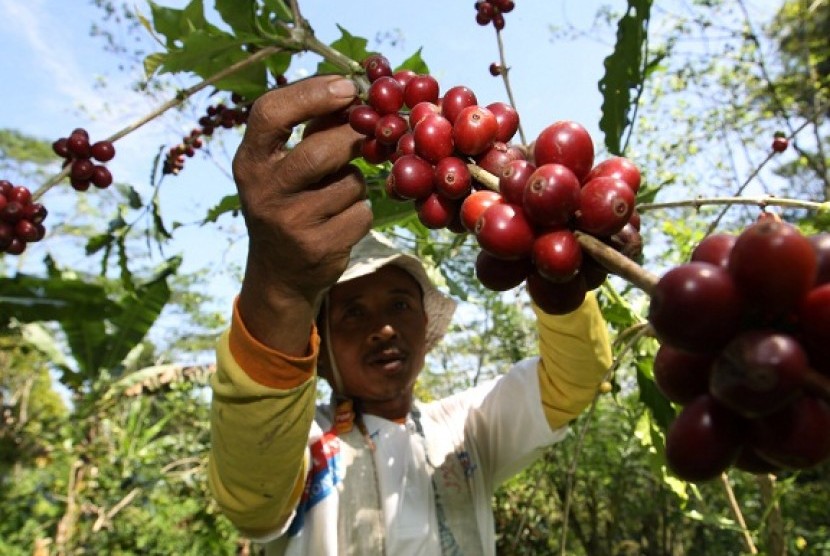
(761, 202)
(105, 517)
(739, 516)
(618, 264)
(505, 70)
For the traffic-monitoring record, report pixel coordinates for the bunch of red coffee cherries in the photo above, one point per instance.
(216, 116)
(526, 228)
(79, 153)
(745, 350)
(492, 11)
(21, 219)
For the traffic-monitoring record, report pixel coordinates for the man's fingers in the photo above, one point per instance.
(277, 112)
(317, 156)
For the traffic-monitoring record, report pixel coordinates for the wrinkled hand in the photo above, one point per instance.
(304, 207)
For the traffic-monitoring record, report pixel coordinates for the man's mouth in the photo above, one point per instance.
(388, 358)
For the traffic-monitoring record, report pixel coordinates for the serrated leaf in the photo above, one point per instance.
(175, 24)
(623, 72)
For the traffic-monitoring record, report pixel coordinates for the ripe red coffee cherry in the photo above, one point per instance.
(102, 151)
(567, 143)
(557, 255)
(695, 307)
(814, 325)
(101, 177)
(452, 178)
(617, 167)
(714, 249)
(20, 194)
(773, 266)
(780, 144)
(433, 138)
(455, 100)
(376, 66)
(508, 119)
(60, 148)
(26, 231)
(390, 128)
(474, 130)
(703, 441)
(403, 77)
(556, 298)
(16, 247)
(759, 372)
(681, 376)
(503, 230)
(406, 145)
(436, 211)
(796, 437)
(82, 169)
(821, 244)
(412, 177)
(420, 111)
(35, 213)
(78, 144)
(6, 235)
(421, 88)
(363, 119)
(592, 272)
(513, 179)
(475, 204)
(385, 95)
(495, 69)
(605, 206)
(501, 275)
(627, 241)
(499, 155)
(551, 196)
(375, 152)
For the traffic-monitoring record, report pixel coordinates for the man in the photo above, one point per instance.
(374, 472)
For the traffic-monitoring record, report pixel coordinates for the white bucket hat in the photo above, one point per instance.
(375, 251)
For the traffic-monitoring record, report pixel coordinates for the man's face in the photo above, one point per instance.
(377, 328)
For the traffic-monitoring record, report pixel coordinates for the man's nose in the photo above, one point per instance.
(383, 333)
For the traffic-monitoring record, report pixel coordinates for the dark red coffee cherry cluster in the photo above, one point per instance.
(79, 153)
(21, 219)
(216, 116)
(492, 11)
(744, 328)
(526, 228)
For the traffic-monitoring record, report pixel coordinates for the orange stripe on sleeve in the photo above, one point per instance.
(266, 366)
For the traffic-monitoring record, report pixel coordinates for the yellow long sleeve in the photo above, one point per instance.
(575, 354)
(259, 430)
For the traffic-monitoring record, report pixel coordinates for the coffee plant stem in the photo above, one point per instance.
(739, 516)
(617, 263)
(505, 71)
(761, 202)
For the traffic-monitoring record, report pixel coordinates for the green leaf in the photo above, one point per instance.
(229, 203)
(415, 63)
(661, 409)
(205, 53)
(176, 24)
(278, 8)
(623, 72)
(140, 310)
(239, 14)
(35, 299)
